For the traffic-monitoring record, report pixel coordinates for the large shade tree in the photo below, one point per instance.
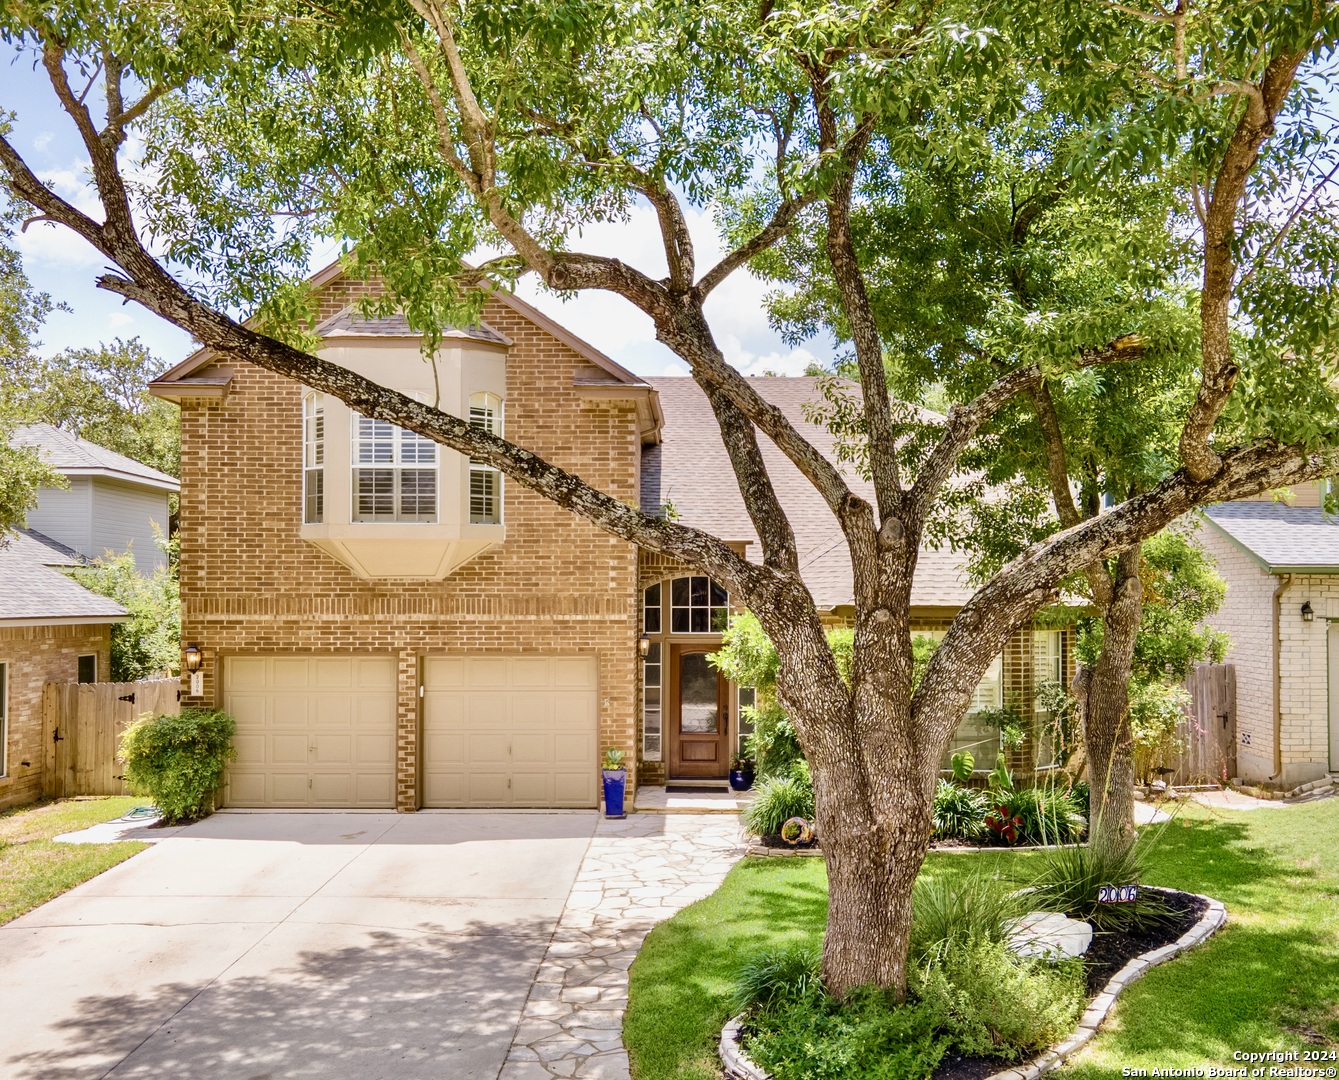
(419, 132)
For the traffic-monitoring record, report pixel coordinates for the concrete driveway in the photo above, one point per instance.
(266, 946)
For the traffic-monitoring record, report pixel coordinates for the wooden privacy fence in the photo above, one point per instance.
(1208, 734)
(81, 729)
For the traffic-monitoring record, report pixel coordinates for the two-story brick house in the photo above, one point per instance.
(394, 625)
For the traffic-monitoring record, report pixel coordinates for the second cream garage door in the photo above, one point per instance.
(311, 730)
(510, 731)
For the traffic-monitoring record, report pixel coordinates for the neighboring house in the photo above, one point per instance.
(392, 624)
(1281, 565)
(51, 630)
(112, 502)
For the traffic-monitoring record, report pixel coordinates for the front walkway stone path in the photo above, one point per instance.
(636, 873)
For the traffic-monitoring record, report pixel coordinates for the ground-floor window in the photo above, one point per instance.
(748, 698)
(88, 668)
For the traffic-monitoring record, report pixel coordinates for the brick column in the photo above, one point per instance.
(407, 733)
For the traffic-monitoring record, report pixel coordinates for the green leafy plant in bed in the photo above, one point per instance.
(992, 1003)
(959, 812)
(178, 761)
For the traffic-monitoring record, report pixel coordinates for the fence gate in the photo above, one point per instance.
(81, 728)
(1209, 733)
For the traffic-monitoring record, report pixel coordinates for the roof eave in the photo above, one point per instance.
(122, 477)
(60, 620)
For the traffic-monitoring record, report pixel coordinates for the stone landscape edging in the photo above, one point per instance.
(739, 1067)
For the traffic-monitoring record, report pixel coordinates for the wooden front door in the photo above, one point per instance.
(698, 716)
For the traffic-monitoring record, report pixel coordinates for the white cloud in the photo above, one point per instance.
(119, 319)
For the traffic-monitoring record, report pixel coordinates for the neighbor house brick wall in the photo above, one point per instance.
(1304, 676)
(558, 585)
(35, 656)
(1247, 617)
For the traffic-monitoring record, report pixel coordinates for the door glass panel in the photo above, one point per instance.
(698, 696)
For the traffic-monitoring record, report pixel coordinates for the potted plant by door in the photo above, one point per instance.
(615, 782)
(741, 773)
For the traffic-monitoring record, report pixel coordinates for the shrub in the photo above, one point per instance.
(866, 1037)
(1044, 815)
(780, 798)
(993, 1003)
(1156, 709)
(959, 811)
(1069, 878)
(946, 911)
(178, 761)
(773, 977)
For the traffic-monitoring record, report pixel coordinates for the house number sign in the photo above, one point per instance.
(1117, 894)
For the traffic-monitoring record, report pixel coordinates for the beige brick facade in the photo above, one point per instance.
(1247, 616)
(34, 656)
(250, 584)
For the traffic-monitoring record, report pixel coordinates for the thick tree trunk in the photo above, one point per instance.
(1110, 745)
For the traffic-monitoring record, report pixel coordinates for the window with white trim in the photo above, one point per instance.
(4, 719)
(748, 699)
(485, 480)
(982, 741)
(651, 703)
(651, 609)
(698, 606)
(313, 458)
(1048, 666)
(394, 473)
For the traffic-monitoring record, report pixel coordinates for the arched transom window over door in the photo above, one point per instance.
(697, 606)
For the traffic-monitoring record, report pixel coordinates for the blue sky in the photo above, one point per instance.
(60, 263)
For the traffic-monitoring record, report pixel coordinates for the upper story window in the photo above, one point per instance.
(697, 606)
(485, 480)
(394, 473)
(313, 458)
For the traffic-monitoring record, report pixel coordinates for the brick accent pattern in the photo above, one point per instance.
(35, 656)
(250, 584)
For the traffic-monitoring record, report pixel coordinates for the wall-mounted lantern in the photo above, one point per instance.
(643, 646)
(1308, 613)
(195, 659)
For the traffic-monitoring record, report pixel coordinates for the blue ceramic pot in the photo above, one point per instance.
(615, 785)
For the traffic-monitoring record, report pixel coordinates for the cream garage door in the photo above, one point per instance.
(311, 730)
(510, 731)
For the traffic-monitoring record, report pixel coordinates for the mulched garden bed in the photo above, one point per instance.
(776, 842)
(1105, 957)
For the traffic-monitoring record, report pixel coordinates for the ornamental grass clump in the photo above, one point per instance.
(780, 798)
(945, 911)
(1069, 879)
(959, 812)
(178, 761)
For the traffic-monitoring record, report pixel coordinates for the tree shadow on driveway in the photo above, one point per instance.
(399, 1006)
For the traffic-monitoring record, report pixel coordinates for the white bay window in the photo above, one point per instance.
(485, 480)
(394, 473)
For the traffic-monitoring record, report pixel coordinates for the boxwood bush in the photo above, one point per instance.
(178, 761)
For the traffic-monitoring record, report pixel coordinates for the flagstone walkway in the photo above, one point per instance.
(636, 873)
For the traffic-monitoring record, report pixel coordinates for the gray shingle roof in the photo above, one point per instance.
(351, 323)
(1282, 537)
(73, 456)
(30, 590)
(690, 469)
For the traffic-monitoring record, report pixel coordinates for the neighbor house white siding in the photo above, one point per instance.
(123, 516)
(66, 514)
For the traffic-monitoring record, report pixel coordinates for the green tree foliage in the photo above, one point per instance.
(748, 658)
(148, 644)
(101, 394)
(22, 311)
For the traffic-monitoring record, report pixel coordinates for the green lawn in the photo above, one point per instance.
(34, 868)
(1268, 981)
